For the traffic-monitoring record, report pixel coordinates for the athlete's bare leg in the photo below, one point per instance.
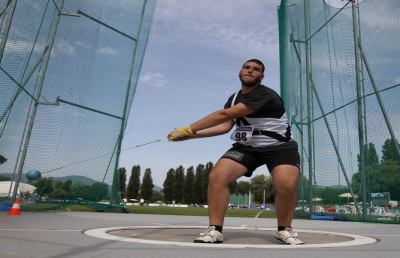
(221, 176)
(285, 178)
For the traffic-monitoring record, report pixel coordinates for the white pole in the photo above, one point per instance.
(264, 199)
(249, 200)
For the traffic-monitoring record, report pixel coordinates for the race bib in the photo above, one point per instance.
(243, 134)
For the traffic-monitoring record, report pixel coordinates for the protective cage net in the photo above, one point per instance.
(340, 84)
(68, 74)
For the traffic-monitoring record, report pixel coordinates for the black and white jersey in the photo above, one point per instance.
(269, 123)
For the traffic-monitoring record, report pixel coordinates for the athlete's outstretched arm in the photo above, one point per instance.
(214, 119)
(215, 130)
(222, 116)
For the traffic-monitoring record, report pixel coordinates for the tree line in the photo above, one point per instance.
(382, 175)
(189, 186)
(135, 189)
(49, 188)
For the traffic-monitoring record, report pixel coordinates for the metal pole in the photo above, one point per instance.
(361, 136)
(6, 25)
(115, 184)
(37, 92)
(309, 102)
(333, 142)
(380, 102)
(366, 151)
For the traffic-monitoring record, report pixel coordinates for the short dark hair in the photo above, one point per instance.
(257, 62)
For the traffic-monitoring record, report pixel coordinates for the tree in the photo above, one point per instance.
(258, 188)
(122, 182)
(146, 190)
(62, 190)
(198, 185)
(79, 190)
(206, 172)
(2, 159)
(303, 188)
(4, 178)
(243, 187)
(384, 177)
(233, 187)
(179, 184)
(389, 150)
(370, 155)
(44, 186)
(58, 191)
(169, 186)
(67, 185)
(157, 196)
(330, 195)
(98, 191)
(132, 191)
(188, 194)
(270, 190)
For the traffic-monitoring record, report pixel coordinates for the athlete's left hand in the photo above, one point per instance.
(180, 134)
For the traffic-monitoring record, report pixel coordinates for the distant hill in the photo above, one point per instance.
(82, 179)
(157, 188)
(74, 178)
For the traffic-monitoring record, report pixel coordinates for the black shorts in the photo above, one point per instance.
(252, 158)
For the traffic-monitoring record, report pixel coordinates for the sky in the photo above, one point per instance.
(191, 65)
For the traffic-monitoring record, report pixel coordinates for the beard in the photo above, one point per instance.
(249, 83)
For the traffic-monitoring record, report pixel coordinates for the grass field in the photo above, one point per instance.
(149, 210)
(245, 213)
(199, 212)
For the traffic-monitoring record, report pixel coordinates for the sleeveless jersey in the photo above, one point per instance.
(269, 124)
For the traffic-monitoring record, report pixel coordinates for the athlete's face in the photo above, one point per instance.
(251, 74)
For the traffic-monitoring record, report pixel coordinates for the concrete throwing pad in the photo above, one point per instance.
(234, 237)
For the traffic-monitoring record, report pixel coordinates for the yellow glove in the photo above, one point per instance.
(181, 133)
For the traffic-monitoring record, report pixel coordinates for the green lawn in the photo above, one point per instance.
(199, 211)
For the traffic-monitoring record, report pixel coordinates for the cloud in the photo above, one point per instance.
(81, 44)
(225, 24)
(19, 46)
(64, 48)
(108, 51)
(154, 79)
(339, 3)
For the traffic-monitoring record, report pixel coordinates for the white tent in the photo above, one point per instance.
(347, 195)
(23, 187)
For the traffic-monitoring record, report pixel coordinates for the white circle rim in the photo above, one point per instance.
(103, 233)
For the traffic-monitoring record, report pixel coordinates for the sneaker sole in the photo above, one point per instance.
(287, 243)
(202, 242)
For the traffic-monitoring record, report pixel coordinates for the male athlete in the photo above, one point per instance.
(262, 136)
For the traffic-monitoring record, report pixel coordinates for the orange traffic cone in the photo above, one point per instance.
(15, 209)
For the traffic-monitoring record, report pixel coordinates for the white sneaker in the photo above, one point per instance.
(212, 236)
(288, 236)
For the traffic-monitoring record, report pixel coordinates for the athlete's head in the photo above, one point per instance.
(252, 72)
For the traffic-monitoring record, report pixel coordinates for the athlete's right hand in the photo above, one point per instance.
(180, 134)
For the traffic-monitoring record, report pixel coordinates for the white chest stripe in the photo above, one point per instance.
(278, 125)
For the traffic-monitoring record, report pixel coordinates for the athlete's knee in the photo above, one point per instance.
(217, 179)
(286, 189)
